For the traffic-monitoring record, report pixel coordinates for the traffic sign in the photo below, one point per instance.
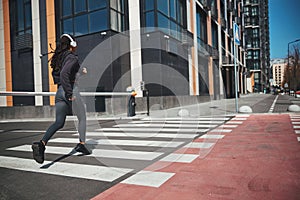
(236, 33)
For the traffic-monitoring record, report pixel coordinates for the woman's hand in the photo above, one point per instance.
(72, 98)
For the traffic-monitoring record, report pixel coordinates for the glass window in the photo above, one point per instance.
(66, 8)
(97, 4)
(173, 9)
(149, 5)
(68, 26)
(173, 29)
(117, 5)
(180, 12)
(163, 22)
(81, 25)
(20, 15)
(163, 6)
(80, 6)
(96, 24)
(149, 22)
(168, 16)
(28, 20)
(117, 23)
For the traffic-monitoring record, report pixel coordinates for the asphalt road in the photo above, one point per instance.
(121, 150)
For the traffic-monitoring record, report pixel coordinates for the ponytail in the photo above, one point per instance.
(57, 58)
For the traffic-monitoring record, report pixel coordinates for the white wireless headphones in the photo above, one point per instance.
(73, 42)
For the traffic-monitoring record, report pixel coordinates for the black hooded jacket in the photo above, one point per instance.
(66, 76)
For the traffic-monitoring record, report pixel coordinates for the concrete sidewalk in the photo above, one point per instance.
(259, 159)
(259, 103)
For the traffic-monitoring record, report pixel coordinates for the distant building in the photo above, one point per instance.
(278, 67)
(256, 16)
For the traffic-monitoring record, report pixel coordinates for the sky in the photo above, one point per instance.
(284, 18)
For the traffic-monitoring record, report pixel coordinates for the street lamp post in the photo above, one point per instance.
(288, 61)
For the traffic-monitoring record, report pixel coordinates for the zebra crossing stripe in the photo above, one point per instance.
(166, 125)
(221, 130)
(200, 145)
(149, 178)
(228, 126)
(185, 130)
(177, 122)
(185, 119)
(103, 153)
(140, 135)
(295, 127)
(298, 138)
(296, 122)
(297, 131)
(149, 143)
(211, 136)
(41, 131)
(92, 172)
(234, 122)
(295, 119)
(182, 158)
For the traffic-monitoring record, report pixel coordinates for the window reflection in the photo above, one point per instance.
(89, 16)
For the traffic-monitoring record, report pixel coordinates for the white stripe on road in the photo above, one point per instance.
(166, 125)
(295, 119)
(40, 131)
(295, 127)
(200, 145)
(221, 130)
(140, 135)
(273, 105)
(92, 172)
(177, 122)
(295, 116)
(101, 153)
(298, 139)
(297, 131)
(185, 119)
(234, 122)
(185, 130)
(227, 126)
(181, 158)
(142, 143)
(296, 122)
(211, 136)
(149, 178)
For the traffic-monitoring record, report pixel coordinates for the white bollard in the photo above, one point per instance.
(245, 109)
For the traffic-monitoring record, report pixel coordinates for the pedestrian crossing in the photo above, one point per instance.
(295, 119)
(143, 141)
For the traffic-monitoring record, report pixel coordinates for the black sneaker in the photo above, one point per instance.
(38, 151)
(82, 149)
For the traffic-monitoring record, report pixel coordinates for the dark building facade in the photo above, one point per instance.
(176, 47)
(257, 43)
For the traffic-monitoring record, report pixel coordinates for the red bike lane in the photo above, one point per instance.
(258, 159)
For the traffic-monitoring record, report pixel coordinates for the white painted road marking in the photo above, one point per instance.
(143, 143)
(149, 178)
(185, 130)
(167, 125)
(92, 172)
(140, 135)
(181, 158)
(104, 153)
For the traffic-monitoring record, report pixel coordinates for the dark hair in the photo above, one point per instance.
(61, 48)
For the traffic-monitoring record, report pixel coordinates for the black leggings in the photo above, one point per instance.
(64, 107)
